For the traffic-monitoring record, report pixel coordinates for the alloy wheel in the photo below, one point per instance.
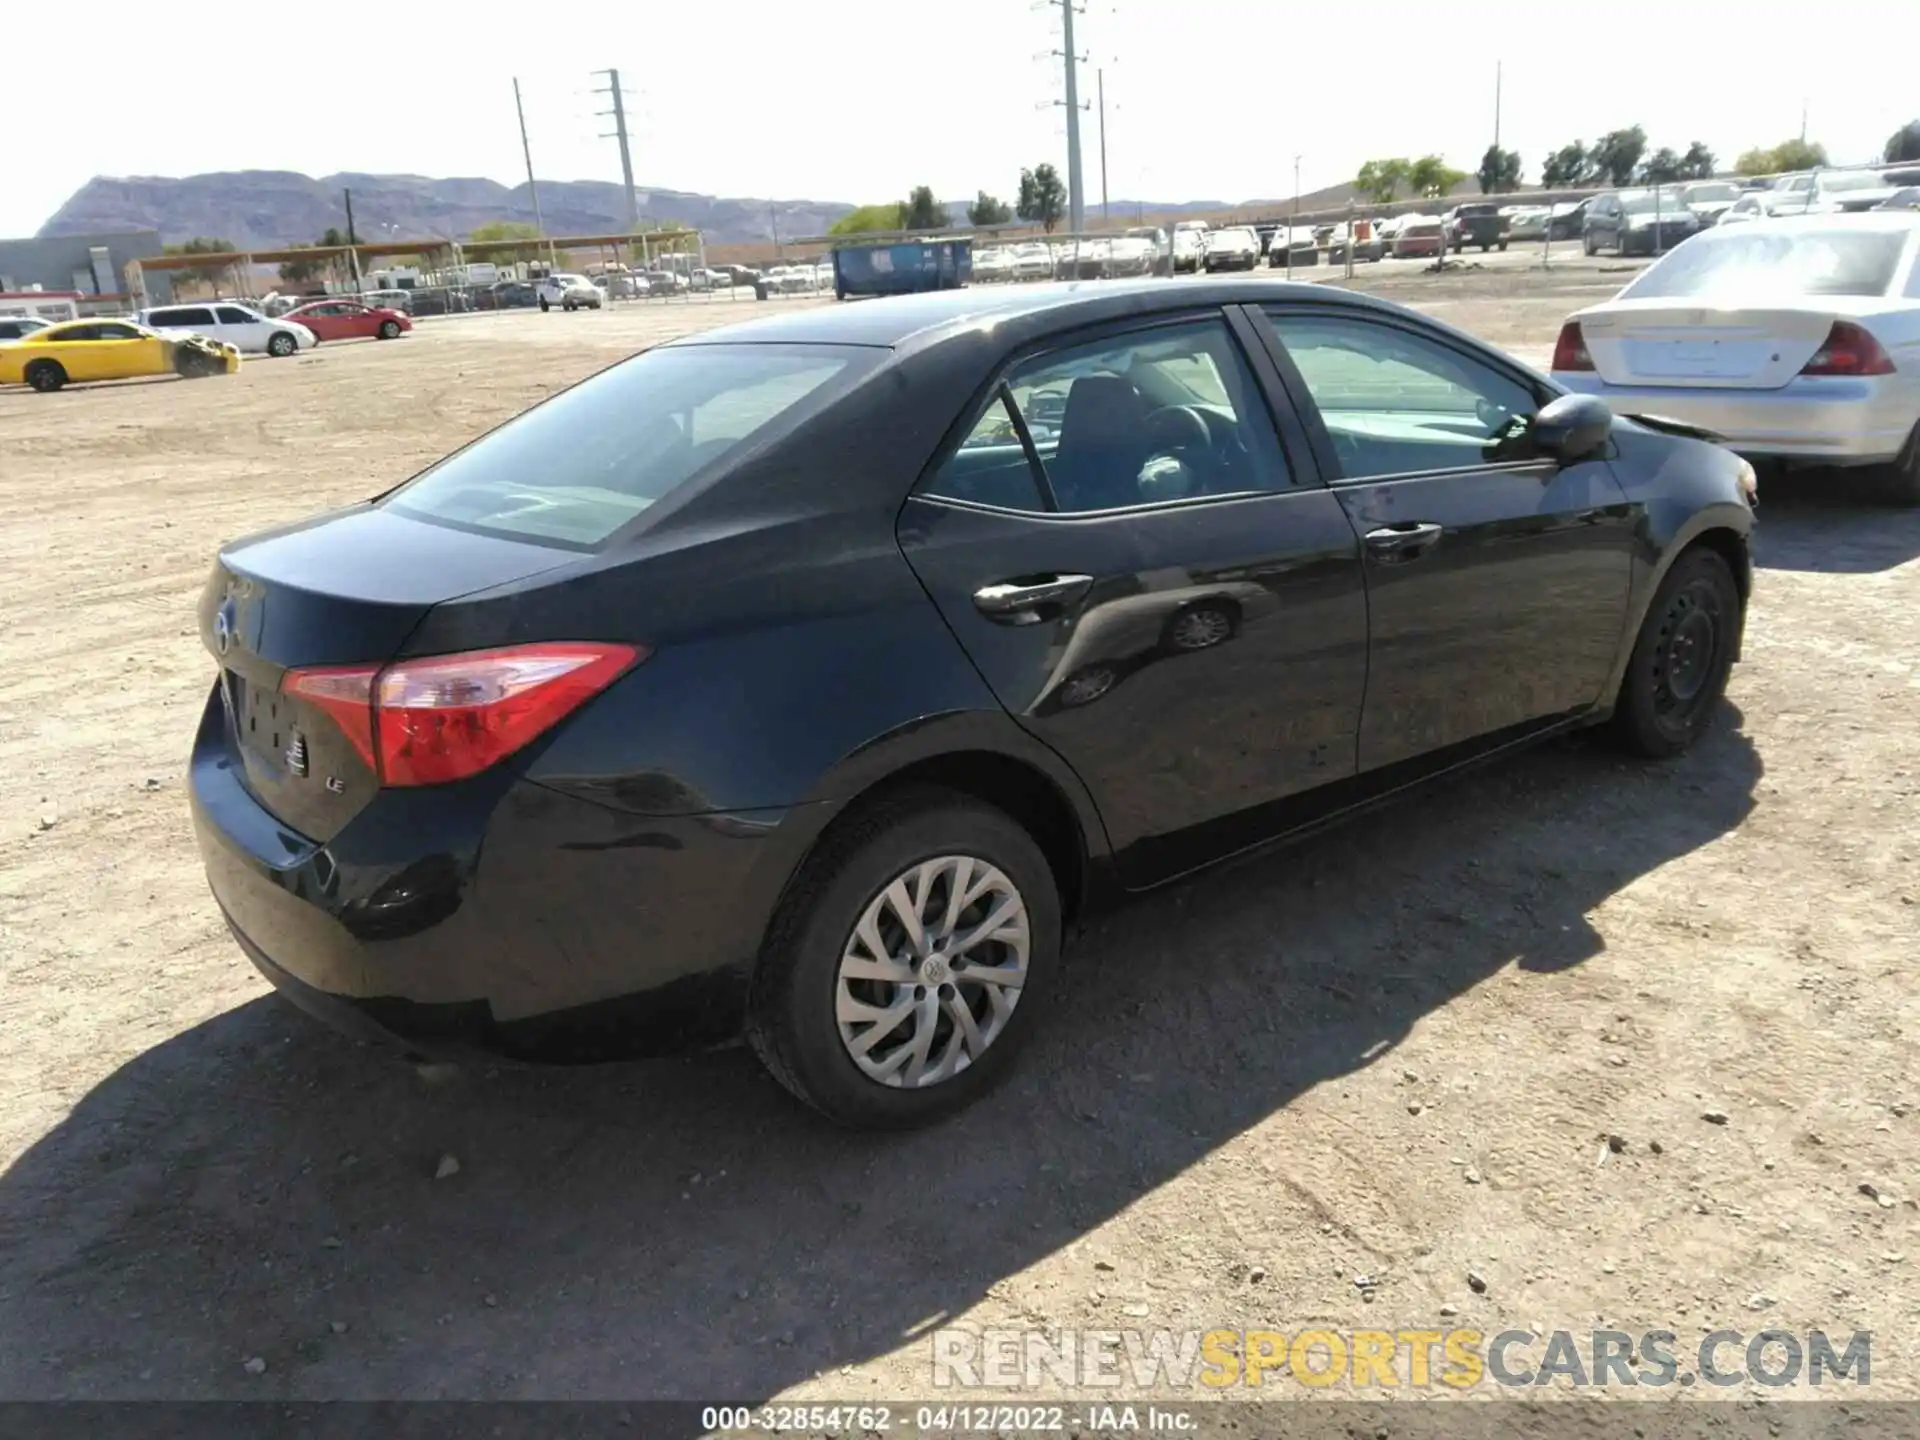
(1200, 628)
(932, 971)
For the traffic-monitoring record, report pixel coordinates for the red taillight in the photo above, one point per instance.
(1849, 350)
(429, 721)
(1570, 350)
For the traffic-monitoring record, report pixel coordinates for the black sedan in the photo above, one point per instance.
(817, 676)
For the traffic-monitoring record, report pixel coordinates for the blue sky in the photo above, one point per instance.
(859, 100)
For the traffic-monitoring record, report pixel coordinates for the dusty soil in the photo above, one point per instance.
(1392, 1053)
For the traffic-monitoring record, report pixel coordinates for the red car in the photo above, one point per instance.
(350, 320)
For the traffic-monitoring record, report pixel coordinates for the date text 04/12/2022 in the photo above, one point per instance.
(944, 1419)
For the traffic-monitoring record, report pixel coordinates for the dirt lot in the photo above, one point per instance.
(1393, 1053)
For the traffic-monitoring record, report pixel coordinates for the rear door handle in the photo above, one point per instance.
(1019, 602)
(1404, 541)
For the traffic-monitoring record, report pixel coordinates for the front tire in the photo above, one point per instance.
(280, 345)
(909, 961)
(389, 329)
(1586, 244)
(46, 376)
(1678, 670)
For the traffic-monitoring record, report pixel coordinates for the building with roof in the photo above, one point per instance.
(93, 265)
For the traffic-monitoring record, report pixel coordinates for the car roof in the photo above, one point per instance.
(913, 320)
(1899, 220)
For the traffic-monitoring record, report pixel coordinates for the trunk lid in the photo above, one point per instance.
(1665, 342)
(343, 590)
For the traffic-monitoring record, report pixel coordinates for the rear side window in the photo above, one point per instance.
(593, 458)
(1170, 412)
(1763, 259)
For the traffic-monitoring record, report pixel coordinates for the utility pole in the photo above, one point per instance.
(526, 153)
(619, 113)
(1496, 105)
(1076, 194)
(1101, 78)
(1803, 121)
(353, 244)
(1293, 224)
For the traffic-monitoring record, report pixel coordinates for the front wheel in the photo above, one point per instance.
(1678, 670)
(280, 345)
(1586, 244)
(544, 306)
(389, 329)
(46, 376)
(909, 961)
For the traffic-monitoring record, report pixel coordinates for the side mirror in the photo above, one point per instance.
(1572, 428)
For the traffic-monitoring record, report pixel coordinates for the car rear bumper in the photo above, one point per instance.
(1833, 420)
(494, 914)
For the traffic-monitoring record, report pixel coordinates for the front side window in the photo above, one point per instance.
(1167, 413)
(1397, 403)
(593, 458)
(229, 315)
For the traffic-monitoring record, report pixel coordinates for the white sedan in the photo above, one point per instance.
(1795, 340)
(1235, 248)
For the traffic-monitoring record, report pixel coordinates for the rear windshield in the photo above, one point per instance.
(587, 462)
(1760, 260)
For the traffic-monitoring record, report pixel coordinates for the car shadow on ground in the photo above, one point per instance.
(681, 1229)
(1831, 521)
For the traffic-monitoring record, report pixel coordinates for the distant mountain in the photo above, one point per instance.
(265, 209)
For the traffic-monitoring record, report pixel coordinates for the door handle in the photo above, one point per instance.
(1019, 601)
(1405, 541)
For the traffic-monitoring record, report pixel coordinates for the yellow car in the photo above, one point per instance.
(109, 350)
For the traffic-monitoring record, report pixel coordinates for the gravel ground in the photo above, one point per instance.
(1392, 1054)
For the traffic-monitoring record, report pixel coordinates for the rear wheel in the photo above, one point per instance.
(1678, 670)
(1900, 481)
(909, 961)
(280, 344)
(46, 376)
(389, 329)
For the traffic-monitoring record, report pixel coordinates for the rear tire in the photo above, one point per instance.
(46, 376)
(801, 990)
(1900, 481)
(1678, 670)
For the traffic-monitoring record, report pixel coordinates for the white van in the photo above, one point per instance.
(240, 326)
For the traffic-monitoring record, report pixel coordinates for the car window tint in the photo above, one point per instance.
(991, 465)
(590, 460)
(230, 316)
(1168, 413)
(1397, 403)
(116, 332)
(188, 316)
(77, 332)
